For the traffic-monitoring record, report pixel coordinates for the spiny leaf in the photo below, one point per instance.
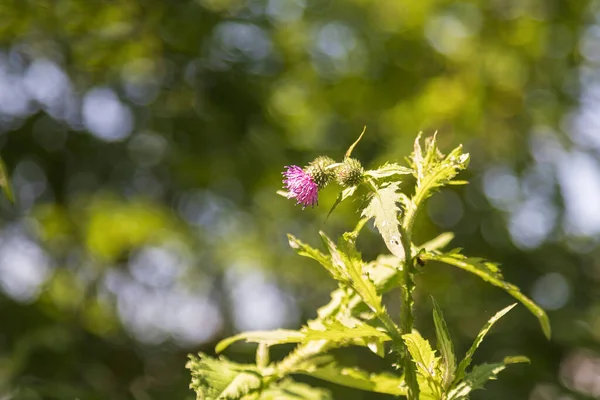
(429, 377)
(243, 384)
(388, 170)
(444, 344)
(332, 330)
(462, 367)
(477, 378)
(336, 331)
(422, 354)
(437, 243)
(269, 338)
(220, 379)
(348, 262)
(433, 169)
(383, 208)
(307, 251)
(290, 390)
(385, 272)
(490, 272)
(327, 369)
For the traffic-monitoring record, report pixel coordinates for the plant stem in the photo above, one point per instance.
(406, 311)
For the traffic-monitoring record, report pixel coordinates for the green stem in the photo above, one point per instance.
(406, 311)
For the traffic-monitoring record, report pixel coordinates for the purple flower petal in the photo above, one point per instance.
(300, 186)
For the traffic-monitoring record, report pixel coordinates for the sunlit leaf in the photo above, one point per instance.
(290, 390)
(221, 379)
(307, 251)
(333, 331)
(422, 354)
(387, 170)
(433, 169)
(444, 344)
(490, 272)
(336, 332)
(348, 263)
(429, 376)
(464, 364)
(384, 210)
(385, 272)
(327, 369)
(480, 374)
(437, 243)
(279, 336)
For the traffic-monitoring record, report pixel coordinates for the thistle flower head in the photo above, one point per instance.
(320, 170)
(350, 173)
(301, 186)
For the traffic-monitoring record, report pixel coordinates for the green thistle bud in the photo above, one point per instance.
(350, 173)
(318, 171)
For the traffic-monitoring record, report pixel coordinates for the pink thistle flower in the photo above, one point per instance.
(300, 186)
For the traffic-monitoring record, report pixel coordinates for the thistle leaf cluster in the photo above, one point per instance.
(356, 314)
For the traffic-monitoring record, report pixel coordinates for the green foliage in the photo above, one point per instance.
(356, 314)
(462, 367)
(383, 208)
(428, 366)
(288, 389)
(220, 379)
(480, 375)
(222, 93)
(490, 272)
(444, 344)
(5, 182)
(327, 369)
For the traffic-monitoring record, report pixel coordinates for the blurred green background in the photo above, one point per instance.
(145, 140)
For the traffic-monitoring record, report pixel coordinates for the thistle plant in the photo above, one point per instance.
(356, 314)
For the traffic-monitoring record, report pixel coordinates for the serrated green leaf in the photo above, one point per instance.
(269, 338)
(346, 302)
(291, 390)
(423, 355)
(429, 376)
(307, 251)
(327, 369)
(243, 384)
(490, 272)
(444, 344)
(220, 379)
(5, 182)
(433, 169)
(437, 243)
(344, 194)
(336, 331)
(385, 272)
(348, 262)
(464, 364)
(332, 330)
(388, 170)
(480, 374)
(384, 210)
